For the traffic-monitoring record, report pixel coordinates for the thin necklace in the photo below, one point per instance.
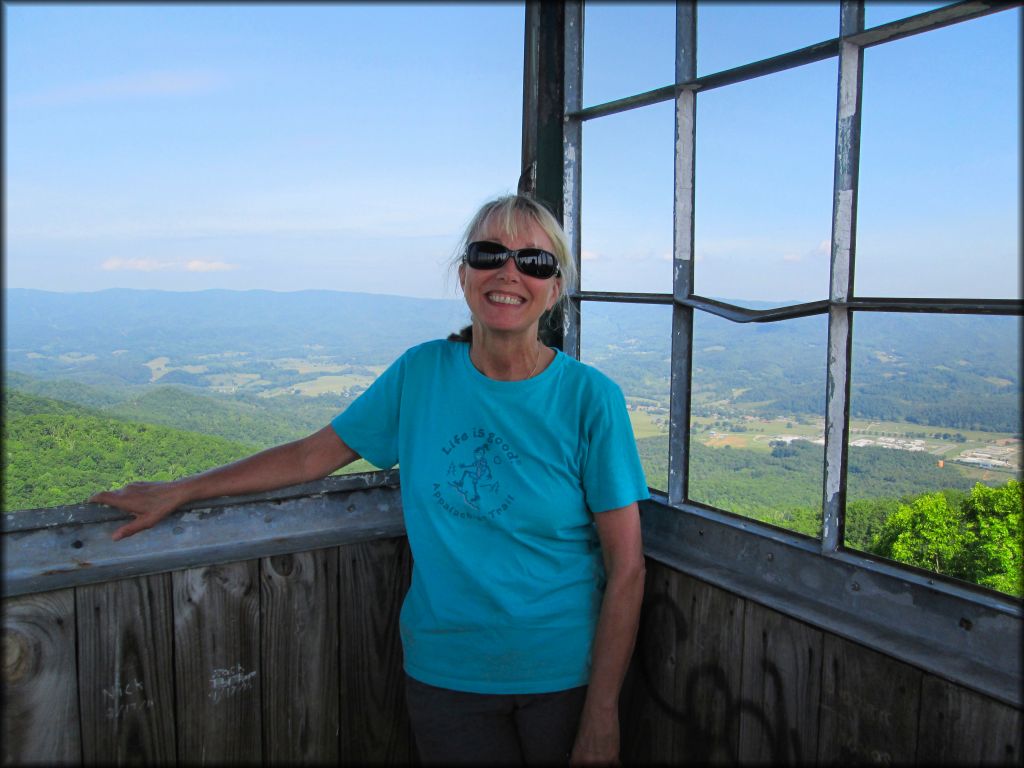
(536, 364)
(533, 373)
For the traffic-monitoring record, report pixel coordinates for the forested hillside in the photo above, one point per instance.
(249, 419)
(57, 453)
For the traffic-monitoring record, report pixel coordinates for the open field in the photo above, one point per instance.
(159, 368)
(983, 455)
(310, 365)
(232, 382)
(338, 385)
(646, 424)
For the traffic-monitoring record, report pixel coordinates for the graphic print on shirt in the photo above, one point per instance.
(476, 484)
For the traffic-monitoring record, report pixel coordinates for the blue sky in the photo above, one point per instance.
(343, 146)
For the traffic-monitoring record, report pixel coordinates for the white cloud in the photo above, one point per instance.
(589, 256)
(822, 249)
(209, 266)
(152, 265)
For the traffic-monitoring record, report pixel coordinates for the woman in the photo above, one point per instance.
(520, 483)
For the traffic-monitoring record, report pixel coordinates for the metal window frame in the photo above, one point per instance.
(756, 558)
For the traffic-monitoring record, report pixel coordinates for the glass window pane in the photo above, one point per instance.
(732, 34)
(631, 344)
(763, 193)
(938, 209)
(757, 429)
(626, 217)
(934, 411)
(628, 48)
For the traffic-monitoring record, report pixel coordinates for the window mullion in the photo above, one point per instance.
(682, 240)
(572, 141)
(844, 212)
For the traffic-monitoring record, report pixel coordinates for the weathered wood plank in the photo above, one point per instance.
(960, 727)
(216, 655)
(40, 692)
(299, 657)
(374, 724)
(708, 677)
(649, 711)
(125, 671)
(781, 688)
(869, 706)
(688, 663)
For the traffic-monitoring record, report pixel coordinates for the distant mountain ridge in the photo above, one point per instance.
(369, 328)
(958, 371)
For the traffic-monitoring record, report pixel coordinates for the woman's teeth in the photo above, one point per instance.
(503, 298)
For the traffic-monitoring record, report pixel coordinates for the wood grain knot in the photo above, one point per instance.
(17, 656)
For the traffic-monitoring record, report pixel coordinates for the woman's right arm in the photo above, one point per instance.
(310, 458)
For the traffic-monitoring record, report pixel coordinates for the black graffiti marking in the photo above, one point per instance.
(703, 745)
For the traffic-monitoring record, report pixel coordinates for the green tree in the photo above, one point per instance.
(977, 538)
(995, 558)
(929, 533)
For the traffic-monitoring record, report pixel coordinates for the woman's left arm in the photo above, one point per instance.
(597, 740)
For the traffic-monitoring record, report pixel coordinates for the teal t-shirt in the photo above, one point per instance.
(500, 481)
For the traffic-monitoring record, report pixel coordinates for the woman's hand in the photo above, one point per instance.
(299, 461)
(597, 741)
(148, 503)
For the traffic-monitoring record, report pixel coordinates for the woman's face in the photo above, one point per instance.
(505, 299)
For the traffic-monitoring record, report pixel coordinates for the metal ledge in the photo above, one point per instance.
(74, 546)
(971, 639)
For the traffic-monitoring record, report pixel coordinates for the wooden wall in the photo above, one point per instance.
(296, 659)
(720, 679)
(287, 659)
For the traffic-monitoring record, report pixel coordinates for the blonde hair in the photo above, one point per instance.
(507, 212)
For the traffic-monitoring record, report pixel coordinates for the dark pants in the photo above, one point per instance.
(453, 727)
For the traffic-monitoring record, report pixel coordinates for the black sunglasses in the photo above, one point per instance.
(533, 262)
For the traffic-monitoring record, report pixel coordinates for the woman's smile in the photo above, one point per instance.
(504, 298)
